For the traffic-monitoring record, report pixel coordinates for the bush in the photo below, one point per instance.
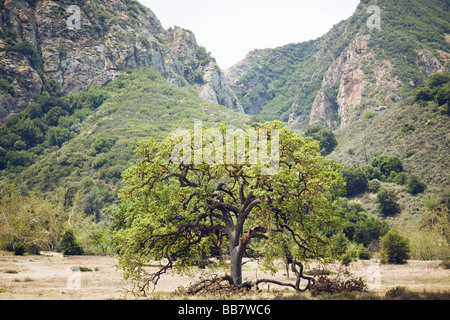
(346, 259)
(19, 159)
(374, 186)
(415, 186)
(387, 202)
(19, 249)
(103, 144)
(364, 253)
(69, 245)
(355, 180)
(387, 165)
(368, 230)
(325, 137)
(401, 178)
(372, 173)
(395, 248)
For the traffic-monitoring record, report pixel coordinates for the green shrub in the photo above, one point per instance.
(325, 137)
(355, 179)
(401, 178)
(396, 292)
(364, 253)
(388, 164)
(372, 173)
(395, 248)
(415, 186)
(103, 144)
(387, 202)
(374, 186)
(19, 249)
(6, 86)
(369, 114)
(69, 245)
(346, 259)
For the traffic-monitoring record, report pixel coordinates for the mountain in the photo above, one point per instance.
(335, 79)
(41, 51)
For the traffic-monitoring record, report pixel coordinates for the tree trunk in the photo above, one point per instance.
(236, 253)
(236, 267)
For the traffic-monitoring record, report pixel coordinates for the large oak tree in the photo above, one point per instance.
(180, 213)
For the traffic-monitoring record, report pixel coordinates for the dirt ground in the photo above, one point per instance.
(54, 277)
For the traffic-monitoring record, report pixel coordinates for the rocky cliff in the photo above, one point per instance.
(43, 49)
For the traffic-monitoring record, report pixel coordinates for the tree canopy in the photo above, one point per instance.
(180, 213)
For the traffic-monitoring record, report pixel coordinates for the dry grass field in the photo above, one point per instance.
(50, 277)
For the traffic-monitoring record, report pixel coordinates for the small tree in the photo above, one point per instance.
(387, 202)
(374, 186)
(387, 164)
(415, 186)
(395, 248)
(19, 249)
(355, 180)
(326, 138)
(69, 245)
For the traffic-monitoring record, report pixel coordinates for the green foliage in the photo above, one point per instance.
(103, 144)
(32, 220)
(395, 248)
(360, 228)
(49, 121)
(372, 173)
(387, 164)
(388, 202)
(355, 179)
(198, 76)
(203, 56)
(19, 249)
(6, 86)
(374, 186)
(174, 212)
(19, 159)
(401, 178)
(437, 89)
(369, 114)
(326, 138)
(69, 245)
(415, 186)
(56, 136)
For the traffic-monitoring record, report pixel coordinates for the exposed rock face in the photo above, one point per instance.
(115, 35)
(213, 87)
(345, 75)
(428, 63)
(217, 90)
(235, 72)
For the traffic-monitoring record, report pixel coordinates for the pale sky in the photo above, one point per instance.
(229, 29)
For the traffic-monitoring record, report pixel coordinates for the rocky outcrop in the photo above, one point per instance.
(346, 75)
(428, 63)
(234, 74)
(39, 52)
(212, 86)
(237, 71)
